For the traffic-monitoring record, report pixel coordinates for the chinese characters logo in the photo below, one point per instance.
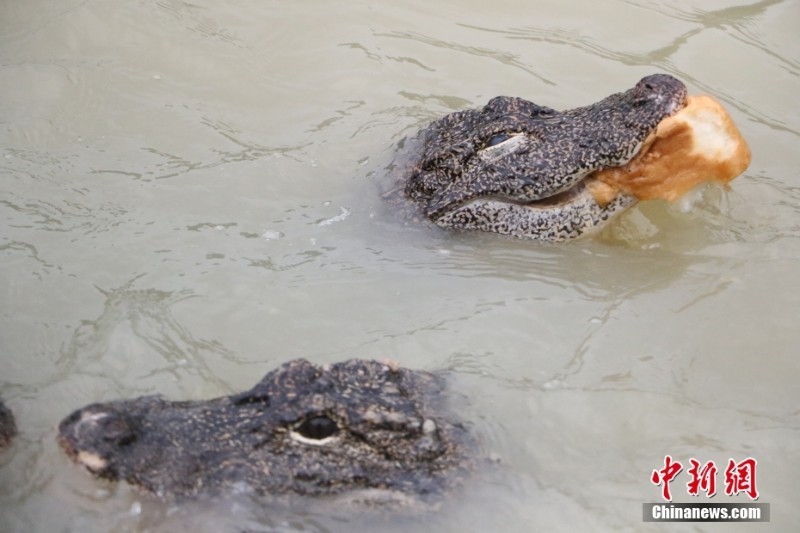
(739, 477)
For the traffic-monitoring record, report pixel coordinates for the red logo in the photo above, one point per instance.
(739, 477)
(666, 475)
(704, 478)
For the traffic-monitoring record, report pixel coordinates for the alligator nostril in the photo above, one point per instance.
(90, 424)
(117, 430)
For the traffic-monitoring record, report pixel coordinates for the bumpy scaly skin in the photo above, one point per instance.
(513, 166)
(387, 434)
(554, 224)
(7, 426)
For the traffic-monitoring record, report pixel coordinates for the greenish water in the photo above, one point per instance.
(190, 198)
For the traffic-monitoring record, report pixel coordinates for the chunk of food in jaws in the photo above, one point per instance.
(698, 144)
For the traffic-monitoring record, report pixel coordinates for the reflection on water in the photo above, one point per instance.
(134, 324)
(190, 196)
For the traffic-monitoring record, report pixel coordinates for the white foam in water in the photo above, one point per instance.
(271, 235)
(343, 214)
(688, 201)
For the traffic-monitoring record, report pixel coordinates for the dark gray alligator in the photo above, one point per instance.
(7, 426)
(302, 429)
(517, 168)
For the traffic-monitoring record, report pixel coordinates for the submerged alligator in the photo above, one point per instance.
(304, 429)
(7, 426)
(517, 168)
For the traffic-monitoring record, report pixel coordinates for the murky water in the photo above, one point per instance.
(189, 199)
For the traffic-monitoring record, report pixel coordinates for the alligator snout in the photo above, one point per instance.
(94, 433)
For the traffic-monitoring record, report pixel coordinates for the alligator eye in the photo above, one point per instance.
(318, 428)
(497, 139)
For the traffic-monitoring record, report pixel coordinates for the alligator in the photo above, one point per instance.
(7, 426)
(518, 168)
(358, 426)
